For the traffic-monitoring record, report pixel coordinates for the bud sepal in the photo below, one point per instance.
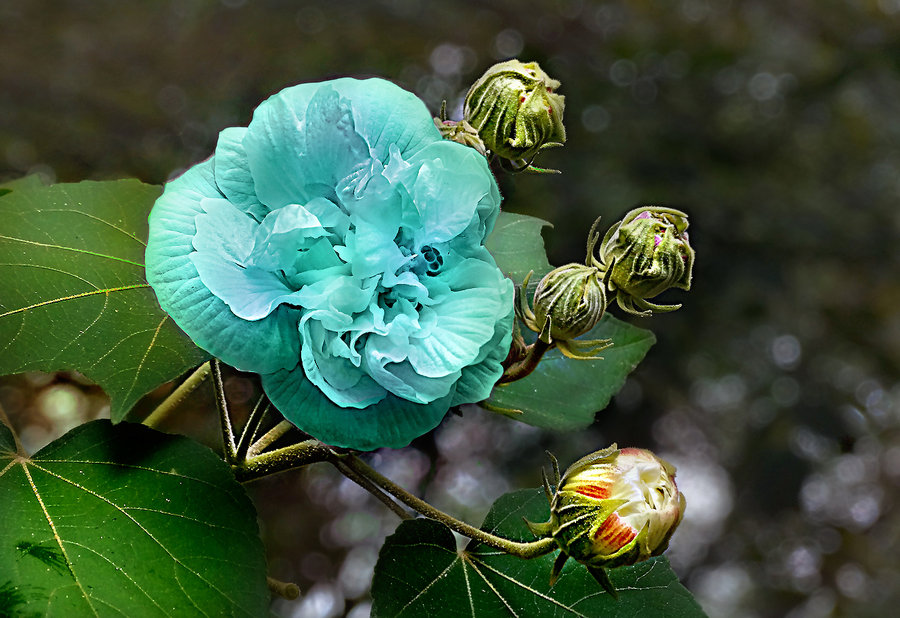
(459, 131)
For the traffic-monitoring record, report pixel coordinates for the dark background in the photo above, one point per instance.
(775, 124)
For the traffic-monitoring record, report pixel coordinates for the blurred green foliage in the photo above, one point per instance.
(774, 124)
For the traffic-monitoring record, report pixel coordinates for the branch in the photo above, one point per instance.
(228, 444)
(524, 367)
(269, 438)
(281, 460)
(520, 549)
(370, 487)
(177, 397)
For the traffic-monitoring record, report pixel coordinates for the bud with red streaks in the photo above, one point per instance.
(614, 507)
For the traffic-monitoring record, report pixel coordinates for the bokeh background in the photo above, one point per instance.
(774, 123)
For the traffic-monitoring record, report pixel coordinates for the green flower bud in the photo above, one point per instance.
(613, 508)
(572, 297)
(645, 254)
(516, 111)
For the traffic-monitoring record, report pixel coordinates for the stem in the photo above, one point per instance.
(533, 356)
(280, 460)
(373, 489)
(269, 438)
(254, 421)
(520, 549)
(177, 396)
(225, 419)
(286, 590)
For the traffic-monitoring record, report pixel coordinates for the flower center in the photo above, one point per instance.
(430, 259)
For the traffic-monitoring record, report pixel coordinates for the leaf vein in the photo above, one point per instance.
(140, 366)
(56, 536)
(426, 588)
(96, 218)
(75, 296)
(142, 528)
(119, 570)
(73, 249)
(529, 589)
(490, 585)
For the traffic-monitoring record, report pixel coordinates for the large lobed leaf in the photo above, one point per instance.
(420, 572)
(562, 394)
(126, 521)
(73, 293)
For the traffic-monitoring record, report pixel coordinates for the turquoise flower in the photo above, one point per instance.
(335, 246)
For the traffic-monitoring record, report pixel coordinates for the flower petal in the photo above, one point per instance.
(223, 230)
(478, 378)
(404, 123)
(282, 234)
(463, 323)
(333, 370)
(392, 422)
(262, 346)
(251, 293)
(233, 173)
(306, 141)
(453, 186)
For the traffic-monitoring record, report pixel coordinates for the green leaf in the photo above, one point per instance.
(73, 293)
(33, 181)
(420, 572)
(565, 394)
(127, 521)
(517, 246)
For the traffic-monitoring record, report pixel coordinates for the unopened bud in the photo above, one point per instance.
(646, 253)
(572, 298)
(614, 508)
(516, 111)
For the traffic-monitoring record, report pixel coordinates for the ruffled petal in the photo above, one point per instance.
(405, 123)
(251, 293)
(263, 346)
(392, 422)
(478, 379)
(328, 363)
(452, 188)
(223, 230)
(233, 173)
(282, 234)
(302, 144)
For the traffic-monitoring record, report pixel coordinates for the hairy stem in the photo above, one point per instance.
(370, 487)
(268, 438)
(524, 367)
(521, 549)
(228, 444)
(280, 460)
(254, 420)
(177, 396)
